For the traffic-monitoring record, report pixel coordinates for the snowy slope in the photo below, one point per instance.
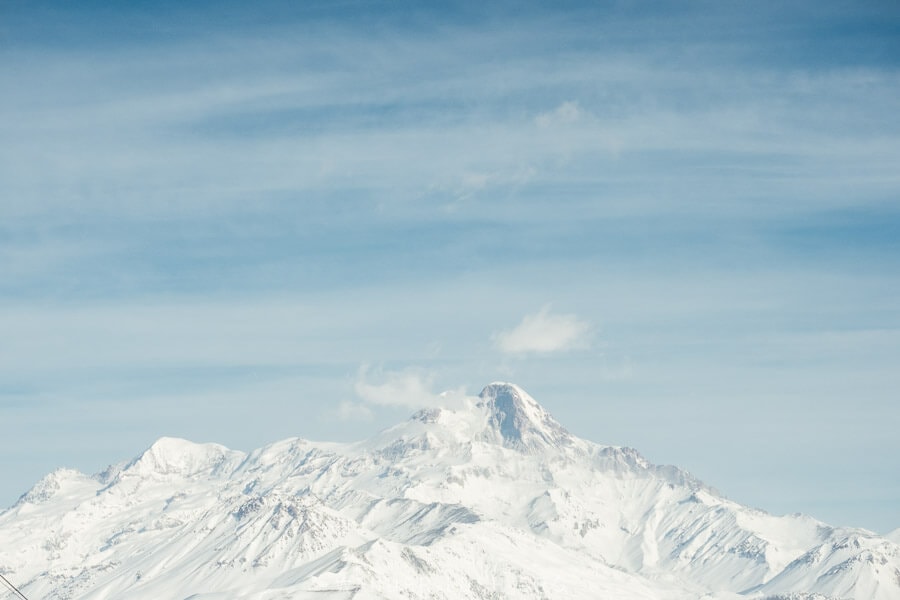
(894, 536)
(494, 500)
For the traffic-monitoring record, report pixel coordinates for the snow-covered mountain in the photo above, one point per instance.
(492, 500)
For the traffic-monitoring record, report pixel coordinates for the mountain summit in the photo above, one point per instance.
(520, 420)
(493, 500)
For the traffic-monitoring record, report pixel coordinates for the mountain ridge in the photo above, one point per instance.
(491, 499)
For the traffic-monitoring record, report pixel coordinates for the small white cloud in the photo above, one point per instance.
(544, 332)
(410, 388)
(564, 114)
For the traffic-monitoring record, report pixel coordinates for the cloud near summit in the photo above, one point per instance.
(544, 332)
(408, 388)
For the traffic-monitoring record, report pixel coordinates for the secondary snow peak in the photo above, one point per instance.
(174, 456)
(521, 422)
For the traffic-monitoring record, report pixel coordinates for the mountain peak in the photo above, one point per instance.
(175, 456)
(519, 420)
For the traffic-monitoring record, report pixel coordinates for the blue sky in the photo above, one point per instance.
(677, 227)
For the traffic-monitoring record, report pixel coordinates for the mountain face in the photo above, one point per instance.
(494, 500)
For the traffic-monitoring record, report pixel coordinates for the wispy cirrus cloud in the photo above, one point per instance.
(544, 333)
(208, 125)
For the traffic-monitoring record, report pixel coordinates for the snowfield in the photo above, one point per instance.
(495, 500)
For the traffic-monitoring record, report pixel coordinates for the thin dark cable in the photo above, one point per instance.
(7, 585)
(12, 587)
